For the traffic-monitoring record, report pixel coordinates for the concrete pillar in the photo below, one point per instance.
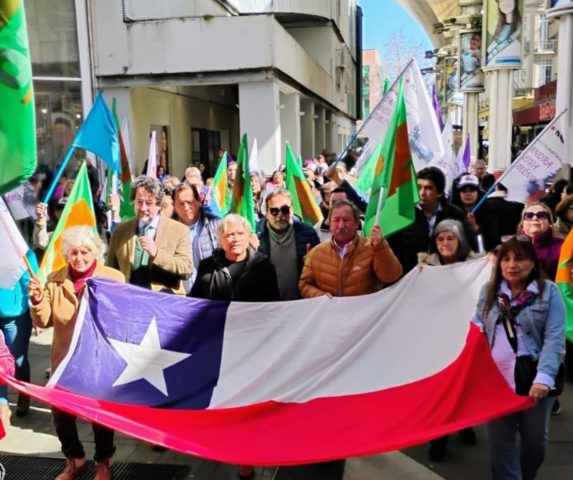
(564, 96)
(328, 119)
(259, 118)
(290, 122)
(307, 146)
(500, 118)
(470, 124)
(320, 130)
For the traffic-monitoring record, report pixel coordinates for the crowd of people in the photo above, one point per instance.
(178, 244)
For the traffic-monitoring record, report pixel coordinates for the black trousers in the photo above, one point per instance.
(67, 432)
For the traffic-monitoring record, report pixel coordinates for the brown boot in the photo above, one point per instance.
(73, 469)
(23, 405)
(103, 470)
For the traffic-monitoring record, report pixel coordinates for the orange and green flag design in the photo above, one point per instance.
(79, 211)
(564, 281)
(303, 202)
(394, 177)
(220, 198)
(242, 201)
(17, 113)
(364, 182)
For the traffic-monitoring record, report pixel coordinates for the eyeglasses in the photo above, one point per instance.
(285, 210)
(519, 238)
(539, 215)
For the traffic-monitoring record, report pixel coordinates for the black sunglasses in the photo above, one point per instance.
(285, 210)
(539, 215)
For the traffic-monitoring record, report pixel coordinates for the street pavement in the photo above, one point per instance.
(34, 435)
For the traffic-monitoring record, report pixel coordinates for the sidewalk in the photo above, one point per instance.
(34, 435)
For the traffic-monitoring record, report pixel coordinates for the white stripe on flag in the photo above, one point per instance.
(291, 352)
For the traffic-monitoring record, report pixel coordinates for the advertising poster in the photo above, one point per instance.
(471, 74)
(502, 30)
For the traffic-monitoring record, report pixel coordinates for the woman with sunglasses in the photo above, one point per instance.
(523, 317)
(537, 224)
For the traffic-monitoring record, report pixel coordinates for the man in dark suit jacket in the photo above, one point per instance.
(152, 251)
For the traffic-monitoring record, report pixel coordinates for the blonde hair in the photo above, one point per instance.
(232, 219)
(84, 236)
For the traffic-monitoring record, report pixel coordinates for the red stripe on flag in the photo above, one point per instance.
(274, 433)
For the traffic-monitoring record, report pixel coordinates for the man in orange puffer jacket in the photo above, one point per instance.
(349, 264)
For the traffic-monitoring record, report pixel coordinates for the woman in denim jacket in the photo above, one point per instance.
(522, 314)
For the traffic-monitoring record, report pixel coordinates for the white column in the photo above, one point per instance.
(290, 122)
(564, 78)
(320, 130)
(259, 118)
(500, 118)
(470, 124)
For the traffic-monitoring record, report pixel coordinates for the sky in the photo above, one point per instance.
(381, 17)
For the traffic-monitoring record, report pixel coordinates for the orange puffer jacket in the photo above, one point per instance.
(362, 270)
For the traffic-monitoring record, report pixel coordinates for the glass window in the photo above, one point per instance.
(58, 116)
(52, 33)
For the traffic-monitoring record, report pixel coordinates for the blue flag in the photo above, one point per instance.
(98, 134)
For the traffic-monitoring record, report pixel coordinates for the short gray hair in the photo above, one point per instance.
(149, 184)
(83, 236)
(279, 191)
(232, 219)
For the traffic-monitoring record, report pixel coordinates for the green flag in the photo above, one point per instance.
(386, 86)
(303, 202)
(394, 177)
(126, 210)
(220, 198)
(364, 182)
(242, 201)
(17, 114)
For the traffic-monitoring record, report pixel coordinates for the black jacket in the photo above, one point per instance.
(304, 235)
(407, 243)
(257, 283)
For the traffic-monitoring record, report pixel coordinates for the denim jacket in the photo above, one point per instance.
(543, 324)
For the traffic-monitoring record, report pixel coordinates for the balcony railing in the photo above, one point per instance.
(545, 46)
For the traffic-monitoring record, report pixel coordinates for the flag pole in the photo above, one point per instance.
(379, 206)
(59, 173)
(531, 144)
(355, 135)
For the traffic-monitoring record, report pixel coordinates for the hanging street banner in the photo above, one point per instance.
(469, 61)
(502, 31)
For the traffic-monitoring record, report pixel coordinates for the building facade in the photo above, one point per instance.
(372, 80)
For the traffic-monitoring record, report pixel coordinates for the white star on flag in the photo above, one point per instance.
(147, 360)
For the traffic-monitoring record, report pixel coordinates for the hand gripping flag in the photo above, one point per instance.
(305, 381)
(17, 114)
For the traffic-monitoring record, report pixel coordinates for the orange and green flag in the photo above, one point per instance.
(364, 182)
(564, 281)
(303, 203)
(17, 113)
(126, 210)
(220, 197)
(394, 178)
(242, 201)
(79, 211)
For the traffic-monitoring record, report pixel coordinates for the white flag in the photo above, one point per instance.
(448, 163)
(152, 157)
(526, 177)
(13, 248)
(254, 158)
(423, 129)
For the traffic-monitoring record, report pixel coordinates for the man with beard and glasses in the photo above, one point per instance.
(349, 264)
(285, 239)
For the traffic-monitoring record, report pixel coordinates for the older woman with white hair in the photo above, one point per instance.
(236, 271)
(56, 305)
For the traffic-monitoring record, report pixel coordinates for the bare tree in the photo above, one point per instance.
(397, 52)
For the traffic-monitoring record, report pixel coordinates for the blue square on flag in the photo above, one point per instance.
(161, 353)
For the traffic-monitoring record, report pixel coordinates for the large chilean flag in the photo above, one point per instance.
(284, 382)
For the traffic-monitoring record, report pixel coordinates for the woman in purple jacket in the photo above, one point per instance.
(537, 224)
